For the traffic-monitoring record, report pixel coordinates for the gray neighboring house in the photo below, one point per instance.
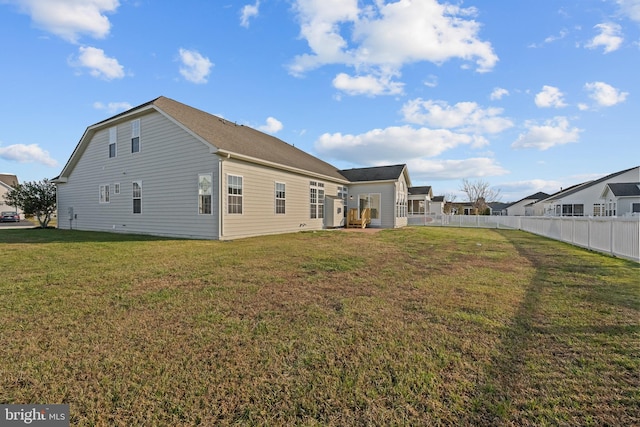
(165, 168)
(519, 208)
(7, 183)
(624, 197)
(422, 202)
(589, 198)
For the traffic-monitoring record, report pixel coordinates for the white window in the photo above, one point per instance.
(137, 196)
(316, 199)
(135, 136)
(205, 189)
(116, 188)
(343, 192)
(234, 194)
(401, 201)
(104, 193)
(280, 197)
(113, 137)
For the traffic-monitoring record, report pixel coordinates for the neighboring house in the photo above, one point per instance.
(623, 197)
(519, 208)
(498, 208)
(165, 168)
(422, 202)
(587, 198)
(384, 189)
(7, 182)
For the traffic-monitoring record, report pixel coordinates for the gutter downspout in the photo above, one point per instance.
(220, 207)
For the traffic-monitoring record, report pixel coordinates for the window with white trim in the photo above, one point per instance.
(316, 199)
(135, 136)
(205, 189)
(280, 197)
(343, 193)
(104, 193)
(137, 196)
(113, 138)
(234, 194)
(401, 201)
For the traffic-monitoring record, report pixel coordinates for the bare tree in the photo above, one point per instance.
(480, 194)
(449, 198)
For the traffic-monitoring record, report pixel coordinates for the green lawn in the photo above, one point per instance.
(418, 326)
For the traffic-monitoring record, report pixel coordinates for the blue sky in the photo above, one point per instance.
(528, 95)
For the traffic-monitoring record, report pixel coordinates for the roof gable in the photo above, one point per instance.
(223, 136)
(579, 187)
(9, 179)
(623, 189)
(375, 173)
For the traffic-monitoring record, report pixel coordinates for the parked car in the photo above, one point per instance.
(9, 217)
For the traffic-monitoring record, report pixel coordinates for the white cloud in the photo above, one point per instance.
(112, 107)
(609, 37)
(32, 153)
(387, 36)
(498, 93)
(247, 12)
(69, 19)
(465, 117)
(367, 85)
(429, 170)
(99, 65)
(605, 95)
(195, 67)
(556, 131)
(271, 126)
(630, 8)
(550, 97)
(392, 144)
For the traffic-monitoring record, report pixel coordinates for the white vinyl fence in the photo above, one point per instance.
(615, 236)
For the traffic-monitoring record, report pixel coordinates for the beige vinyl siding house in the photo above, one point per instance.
(168, 169)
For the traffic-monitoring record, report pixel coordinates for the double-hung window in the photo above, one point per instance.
(137, 197)
(280, 197)
(205, 188)
(135, 136)
(316, 199)
(234, 194)
(104, 193)
(113, 137)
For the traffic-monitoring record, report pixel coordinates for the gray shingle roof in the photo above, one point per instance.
(243, 140)
(426, 189)
(376, 173)
(625, 189)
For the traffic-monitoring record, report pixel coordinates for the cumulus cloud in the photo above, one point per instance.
(99, 64)
(271, 126)
(609, 37)
(32, 153)
(605, 95)
(550, 97)
(392, 144)
(247, 12)
(195, 67)
(466, 117)
(367, 85)
(112, 107)
(69, 19)
(498, 93)
(387, 36)
(434, 169)
(553, 132)
(631, 8)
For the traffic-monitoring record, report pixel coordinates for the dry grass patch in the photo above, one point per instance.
(416, 326)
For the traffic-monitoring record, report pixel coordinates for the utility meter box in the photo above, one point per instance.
(333, 212)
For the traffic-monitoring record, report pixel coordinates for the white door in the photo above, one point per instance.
(371, 201)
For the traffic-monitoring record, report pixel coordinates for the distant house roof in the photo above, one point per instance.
(498, 206)
(575, 188)
(9, 180)
(376, 173)
(535, 197)
(624, 189)
(438, 199)
(222, 135)
(426, 189)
